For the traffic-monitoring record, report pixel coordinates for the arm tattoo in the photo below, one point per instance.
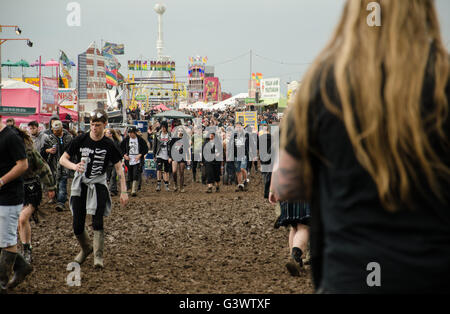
(288, 184)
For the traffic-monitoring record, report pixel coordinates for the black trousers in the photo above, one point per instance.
(79, 209)
(134, 172)
(212, 172)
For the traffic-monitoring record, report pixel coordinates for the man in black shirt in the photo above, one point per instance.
(90, 193)
(134, 148)
(13, 163)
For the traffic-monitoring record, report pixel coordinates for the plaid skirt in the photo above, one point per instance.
(293, 213)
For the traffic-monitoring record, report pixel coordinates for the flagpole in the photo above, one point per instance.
(40, 91)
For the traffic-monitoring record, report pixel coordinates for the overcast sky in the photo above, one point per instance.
(277, 32)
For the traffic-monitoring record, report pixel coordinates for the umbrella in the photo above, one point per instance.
(51, 63)
(22, 63)
(162, 107)
(173, 114)
(9, 64)
(36, 64)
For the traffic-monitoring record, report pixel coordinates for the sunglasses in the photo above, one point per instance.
(96, 114)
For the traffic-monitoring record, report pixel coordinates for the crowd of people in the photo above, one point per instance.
(363, 167)
(213, 146)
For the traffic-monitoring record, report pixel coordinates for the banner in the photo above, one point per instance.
(151, 65)
(248, 118)
(68, 97)
(113, 49)
(212, 89)
(35, 81)
(270, 88)
(49, 95)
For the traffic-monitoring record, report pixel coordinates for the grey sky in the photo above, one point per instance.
(290, 31)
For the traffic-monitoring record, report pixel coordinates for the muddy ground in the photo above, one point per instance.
(170, 242)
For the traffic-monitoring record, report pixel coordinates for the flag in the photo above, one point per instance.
(111, 77)
(113, 49)
(120, 78)
(205, 59)
(111, 61)
(66, 60)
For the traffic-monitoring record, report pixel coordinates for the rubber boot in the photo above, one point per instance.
(295, 263)
(7, 260)
(99, 241)
(21, 270)
(26, 252)
(134, 188)
(86, 248)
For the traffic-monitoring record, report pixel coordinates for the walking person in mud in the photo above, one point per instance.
(90, 193)
(38, 172)
(134, 148)
(13, 164)
(367, 142)
(162, 155)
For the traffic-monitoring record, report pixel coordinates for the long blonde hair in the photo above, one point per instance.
(379, 74)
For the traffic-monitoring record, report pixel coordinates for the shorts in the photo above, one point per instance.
(238, 165)
(162, 165)
(32, 194)
(9, 220)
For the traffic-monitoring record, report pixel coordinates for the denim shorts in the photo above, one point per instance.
(9, 219)
(242, 164)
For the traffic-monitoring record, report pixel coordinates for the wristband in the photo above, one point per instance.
(124, 192)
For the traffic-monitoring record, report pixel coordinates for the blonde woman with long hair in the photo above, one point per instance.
(367, 143)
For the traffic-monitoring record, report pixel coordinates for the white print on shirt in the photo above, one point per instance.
(86, 151)
(98, 162)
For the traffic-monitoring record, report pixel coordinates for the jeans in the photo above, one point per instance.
(61, 198)
(9, 219)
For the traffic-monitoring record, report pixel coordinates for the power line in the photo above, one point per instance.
(281, 62)
(232, 59)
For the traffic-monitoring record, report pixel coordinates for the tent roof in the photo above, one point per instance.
(14, 84)
(173, 114)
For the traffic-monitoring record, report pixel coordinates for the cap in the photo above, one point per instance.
(57, 124)
(132, 129)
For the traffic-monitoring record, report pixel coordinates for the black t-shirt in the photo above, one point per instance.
(12, 149)
(100, 153)
(350, 227)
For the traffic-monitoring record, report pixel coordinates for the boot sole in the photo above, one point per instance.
(293, 269)
(15, 281)
(87, 255)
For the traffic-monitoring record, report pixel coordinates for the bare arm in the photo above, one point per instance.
(286, 184)
(65, 162)
(16, 171)
(123, 186)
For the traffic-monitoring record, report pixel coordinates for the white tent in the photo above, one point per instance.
(14, 84)
(230, 102)
(200, 105)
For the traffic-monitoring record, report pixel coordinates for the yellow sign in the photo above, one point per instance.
(248, 118)
(35, 81)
